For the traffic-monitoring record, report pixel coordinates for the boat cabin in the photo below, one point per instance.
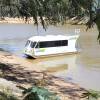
(50, 45)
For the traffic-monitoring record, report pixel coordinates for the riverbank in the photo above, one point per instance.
(19, 72)
(16, 20)
(72, 21)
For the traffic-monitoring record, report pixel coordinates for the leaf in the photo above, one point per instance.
(40, 92)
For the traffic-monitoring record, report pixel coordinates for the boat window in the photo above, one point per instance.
(32, 45)
(64, 43)
(47, 44)
(27, 43)
(44, 44)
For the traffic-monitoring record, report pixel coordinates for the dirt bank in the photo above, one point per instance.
(16, 20)
(22, 73)
(73, 21)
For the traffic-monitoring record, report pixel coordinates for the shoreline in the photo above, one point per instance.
(23, 73)
(16, 20)
(72, 21)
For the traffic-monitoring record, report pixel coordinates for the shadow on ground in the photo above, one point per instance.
(19, 75)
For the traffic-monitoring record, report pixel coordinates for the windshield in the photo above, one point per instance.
(32, 44)
(27, 43)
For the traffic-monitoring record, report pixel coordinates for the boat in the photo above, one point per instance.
(39, 46)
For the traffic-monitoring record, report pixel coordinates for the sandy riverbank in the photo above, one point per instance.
(20, 72)
(16, 20)
(73, 21)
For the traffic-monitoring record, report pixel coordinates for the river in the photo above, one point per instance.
(82, 68)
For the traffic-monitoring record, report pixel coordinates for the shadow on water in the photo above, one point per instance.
(56, 65)
(28, 57)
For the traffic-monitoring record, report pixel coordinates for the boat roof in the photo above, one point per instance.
(52, 37)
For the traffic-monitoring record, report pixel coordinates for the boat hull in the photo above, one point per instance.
(55, 55)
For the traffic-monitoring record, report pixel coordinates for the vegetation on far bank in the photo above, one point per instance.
(53, 11)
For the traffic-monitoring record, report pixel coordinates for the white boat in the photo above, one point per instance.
(38, 46)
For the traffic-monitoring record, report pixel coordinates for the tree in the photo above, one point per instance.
(54, 11)
(92, 9)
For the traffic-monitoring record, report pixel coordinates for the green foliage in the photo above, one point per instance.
(39, 93)
(97, 21)
(91, 95)
(52, 11)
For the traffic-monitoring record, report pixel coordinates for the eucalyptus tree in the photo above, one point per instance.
(91, 8)
(47, 11)
(53, 11)
(8, 8)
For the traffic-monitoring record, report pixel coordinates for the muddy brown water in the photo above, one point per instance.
(82, 68)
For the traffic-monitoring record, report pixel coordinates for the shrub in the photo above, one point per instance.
(39, 93)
